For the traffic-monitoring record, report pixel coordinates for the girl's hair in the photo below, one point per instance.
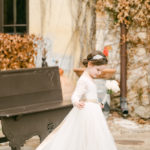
(99, 59)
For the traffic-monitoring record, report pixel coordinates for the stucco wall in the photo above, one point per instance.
(53, 19)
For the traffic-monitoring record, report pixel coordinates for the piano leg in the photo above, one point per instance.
(16, 148)
(50, 127)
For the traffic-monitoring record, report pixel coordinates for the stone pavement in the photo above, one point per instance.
(128, 134)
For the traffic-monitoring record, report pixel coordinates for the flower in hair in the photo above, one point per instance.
(105, 51)
(96, 57)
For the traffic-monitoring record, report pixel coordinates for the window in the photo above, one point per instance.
(14, 16)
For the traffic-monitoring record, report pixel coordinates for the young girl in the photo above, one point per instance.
(85, 127)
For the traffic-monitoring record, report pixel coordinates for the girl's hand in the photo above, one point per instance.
(101, 105)
(79, 105)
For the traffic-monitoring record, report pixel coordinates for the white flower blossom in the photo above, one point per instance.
(112, 85)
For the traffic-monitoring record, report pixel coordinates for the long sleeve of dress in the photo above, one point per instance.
(79, 91)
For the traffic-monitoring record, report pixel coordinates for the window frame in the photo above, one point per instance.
(14, 25)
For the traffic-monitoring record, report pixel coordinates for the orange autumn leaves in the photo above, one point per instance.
(129, 12)
(17, 51)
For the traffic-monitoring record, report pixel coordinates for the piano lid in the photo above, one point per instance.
(28, 87)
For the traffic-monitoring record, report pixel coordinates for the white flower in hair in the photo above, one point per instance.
(97, 57)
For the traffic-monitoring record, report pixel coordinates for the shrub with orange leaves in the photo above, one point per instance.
(129, 12)
(17, 51)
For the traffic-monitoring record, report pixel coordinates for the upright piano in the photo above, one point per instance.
(31, 104)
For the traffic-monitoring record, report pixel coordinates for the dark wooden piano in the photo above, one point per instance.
(31, 104)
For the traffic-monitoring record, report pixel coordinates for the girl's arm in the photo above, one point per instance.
(78, 93)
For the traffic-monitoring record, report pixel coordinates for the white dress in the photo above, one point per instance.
(82, 129)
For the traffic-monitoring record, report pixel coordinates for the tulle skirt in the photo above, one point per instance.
(81, 129)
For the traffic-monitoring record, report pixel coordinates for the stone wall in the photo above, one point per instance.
(138, 73)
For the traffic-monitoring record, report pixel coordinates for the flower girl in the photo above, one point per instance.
(85, 127)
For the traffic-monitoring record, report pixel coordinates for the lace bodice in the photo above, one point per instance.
(85, 89)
